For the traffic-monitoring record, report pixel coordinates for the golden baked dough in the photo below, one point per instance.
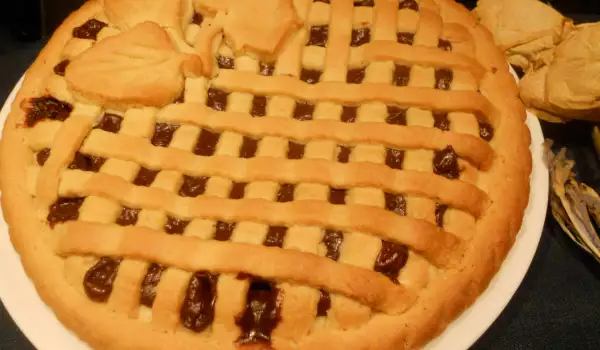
(344, 174)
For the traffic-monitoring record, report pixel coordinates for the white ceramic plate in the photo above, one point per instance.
(42, 328)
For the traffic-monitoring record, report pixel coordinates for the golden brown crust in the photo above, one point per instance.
(504, 180)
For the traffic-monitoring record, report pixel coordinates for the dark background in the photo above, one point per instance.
(556, 307)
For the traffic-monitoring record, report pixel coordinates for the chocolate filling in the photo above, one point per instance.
(275, 236)
(223, 230)
(110, 123)
(445, 45)
(207, 142)
(238, 190)
(193, 186)
(333, 241)
(303, 110)
(266, 69)
(409, 4)
(145, 177)
(86, 163)
(443, 78)
(259, 106)
(197, 18)
(360, 36)
(248, 149)
(396, 115)
(486, 131)
(60, 68)
(395, 203)
(47, 107)
(217, 99)
(337, 195)
(149, 284)
(405, 38)
(128, 216)
(355, 76)
(349, 114)
(445, 163)
(344, 154)
(99, 279)
(318, 36)
(391, 259)
(369, 3)
(42, 156)
(89, 30)
(394, 158)
(324, 304)
(198, 309)
(295, 150)
(441, 121)
(175, 226)
(310, 76)
(225, 62)
(262, 313)
(401, 75)
(64, 209)
(440, 210)
(286, 193)
(163, 134)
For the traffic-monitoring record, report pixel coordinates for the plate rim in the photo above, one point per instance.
(41, 327)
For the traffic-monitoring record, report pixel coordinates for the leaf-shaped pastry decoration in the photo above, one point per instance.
(126, 14)
(257, 26)
(140, 67)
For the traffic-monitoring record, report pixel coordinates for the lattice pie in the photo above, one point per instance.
(282, 174)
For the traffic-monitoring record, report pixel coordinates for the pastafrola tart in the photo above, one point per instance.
(266, 174)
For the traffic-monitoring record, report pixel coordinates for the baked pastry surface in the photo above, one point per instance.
(265, 174)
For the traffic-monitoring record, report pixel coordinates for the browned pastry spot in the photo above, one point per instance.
(259, 106)
(337, 195)
(207, 142)
(349, 114)
(394, 158)
(310, 76)
(445, 45)
(89, 30)
(344, 154)
(99, 279)
(395, 203)
(369, 3)
(175, 226)
(86, 163)
(391, 259)
(445, 163)
(266, 68)
(286, 193)
(217, 99)
(145, 177)
(360, 36)
(275, 236)
(42, 156)
(440, 210)
(304, 110)
(198, 308)
(110, 123)
(295, 150)
(225, 62)
(396, 115)
(47, 107)
(405, 38)
(441, 121)
(409, 4)
(60, 68)
(64, 209)
(128, 216)
(238, 190)
(443, 78)
(262, 313)
(223, 230)
(249, 147)
(197, 18)
(149, 284)
(486, 131)
(324, 303)
(193, 186)
(355, 76)
(163, 134)
(318, 36)
(401, 75)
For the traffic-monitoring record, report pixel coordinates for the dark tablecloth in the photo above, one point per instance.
(556, 307)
